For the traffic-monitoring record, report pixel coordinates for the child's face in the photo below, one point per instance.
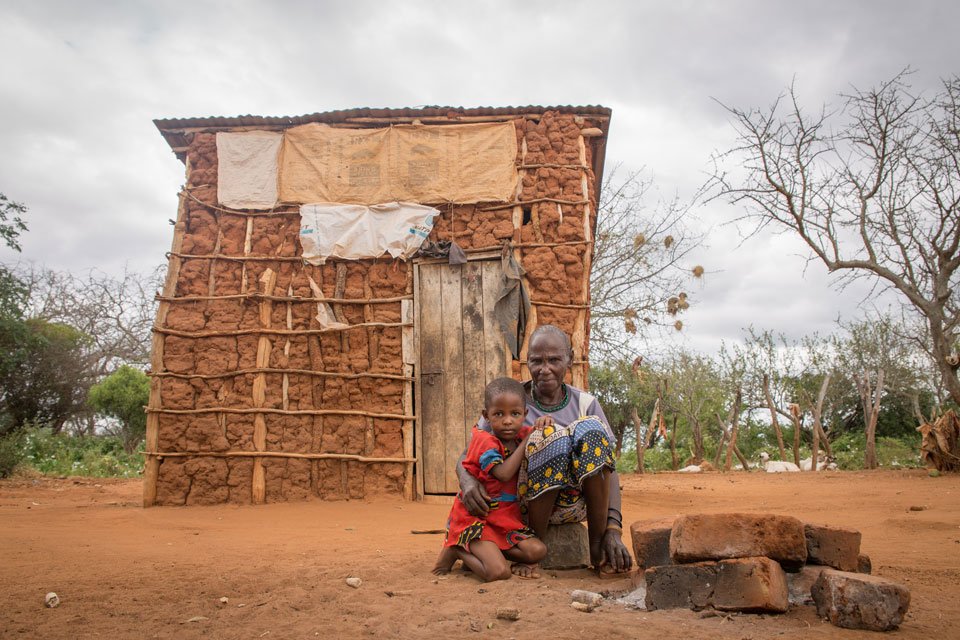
(505, 413)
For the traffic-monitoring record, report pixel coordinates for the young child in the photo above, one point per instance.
(486, 544)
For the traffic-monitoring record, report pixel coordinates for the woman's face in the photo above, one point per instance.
(548, 360)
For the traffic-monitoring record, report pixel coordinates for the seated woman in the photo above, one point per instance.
(569, 473)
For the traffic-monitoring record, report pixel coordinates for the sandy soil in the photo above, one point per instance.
(126, 572)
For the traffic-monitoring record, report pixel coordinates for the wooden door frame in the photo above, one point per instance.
(417, 431)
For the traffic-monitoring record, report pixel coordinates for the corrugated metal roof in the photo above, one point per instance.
(347, 114)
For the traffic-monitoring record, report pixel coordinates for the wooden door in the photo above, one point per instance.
(461, 348)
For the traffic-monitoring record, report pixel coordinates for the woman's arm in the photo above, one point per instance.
(474, 497)
(614, 551)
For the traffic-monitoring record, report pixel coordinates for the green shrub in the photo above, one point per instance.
(65, 455)
(10, 454)
(848, 450)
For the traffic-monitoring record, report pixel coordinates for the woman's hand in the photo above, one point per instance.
(542, 422)
(474, 497)
(614, 553)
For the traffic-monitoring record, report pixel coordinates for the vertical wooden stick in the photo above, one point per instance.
(151, 466)
(259, 488)
(409, 357)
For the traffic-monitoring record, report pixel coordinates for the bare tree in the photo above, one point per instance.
(640, 265)
(115, 314)
(873, 190)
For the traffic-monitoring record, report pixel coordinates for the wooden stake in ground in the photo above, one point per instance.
(871, 411)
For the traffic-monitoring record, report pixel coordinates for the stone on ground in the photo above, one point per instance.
(860, 601)
(651, 542)
(864, 565)
(800, 583)
(568, 547)
(681, 586)
(832, 546)
(750, 584)
(738, 535)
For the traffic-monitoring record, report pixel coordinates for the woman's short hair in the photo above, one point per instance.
(553, 330)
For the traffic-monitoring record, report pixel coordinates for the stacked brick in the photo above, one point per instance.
(241, 365)
(763, 563)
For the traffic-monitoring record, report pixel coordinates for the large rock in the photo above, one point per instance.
(568, 547)
(681, 586)
(832, 546)
(651, 542)
(738, 535)
(860, 601)
(742, 584)
(751, 584)
(800, 583)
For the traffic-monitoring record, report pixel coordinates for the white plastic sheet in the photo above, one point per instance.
(247, 169)
(354, 231)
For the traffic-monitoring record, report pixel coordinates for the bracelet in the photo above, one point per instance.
(613, 527)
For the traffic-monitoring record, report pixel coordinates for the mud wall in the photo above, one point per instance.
(242, 366)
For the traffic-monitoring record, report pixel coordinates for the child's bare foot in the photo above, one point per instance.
(448, 555)
(525, 570)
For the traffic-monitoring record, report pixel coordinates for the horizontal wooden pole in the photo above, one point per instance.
(260, 296)
(284, 412)
(255, 370)
(520, 203)
(272, 454)
(544, 303)
(274, 332)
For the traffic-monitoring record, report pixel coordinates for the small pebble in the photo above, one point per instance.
(586, 597)
(354, 582)
(224, 600)
(508, 613)
(917, 508)
(51, 600)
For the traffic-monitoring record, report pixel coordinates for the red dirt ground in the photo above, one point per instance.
(127, 572)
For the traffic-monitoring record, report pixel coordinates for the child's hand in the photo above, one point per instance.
(543, 422)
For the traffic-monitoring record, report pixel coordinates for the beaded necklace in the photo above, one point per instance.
(556, 407)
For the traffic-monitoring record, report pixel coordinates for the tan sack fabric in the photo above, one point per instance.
(353, 231)
(452, 163)
(247, 171)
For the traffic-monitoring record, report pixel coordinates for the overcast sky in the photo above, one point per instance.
(80, 83)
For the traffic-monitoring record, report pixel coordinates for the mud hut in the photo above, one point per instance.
(312, 340)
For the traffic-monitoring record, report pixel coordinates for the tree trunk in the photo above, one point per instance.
(795, 418)
(675, 464)
(734, 427)
(773, 416)
(817, 429)
(644, 441)
(697, 441)
(871, 412)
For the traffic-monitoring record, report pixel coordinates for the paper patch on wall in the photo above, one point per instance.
(247, 169)
(421, 163)
(352, 231)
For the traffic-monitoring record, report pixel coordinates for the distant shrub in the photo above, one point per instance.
(10, 454)
(64, 455)
(848, 450)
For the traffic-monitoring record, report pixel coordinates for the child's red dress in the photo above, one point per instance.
(503, 524)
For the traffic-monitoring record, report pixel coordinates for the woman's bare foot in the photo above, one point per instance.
(525, 570)
(448, 555)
